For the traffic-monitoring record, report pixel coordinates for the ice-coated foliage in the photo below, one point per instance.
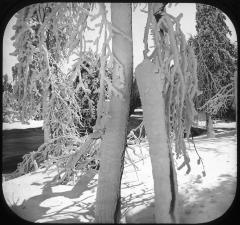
(176, 65)
(58, 77)
(217, 60)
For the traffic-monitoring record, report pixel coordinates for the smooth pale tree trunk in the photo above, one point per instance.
(114, 141)
(209, 126)
(164, 175)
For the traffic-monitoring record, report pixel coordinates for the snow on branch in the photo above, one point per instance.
(68, 85)
(176, 65)
(219, 101)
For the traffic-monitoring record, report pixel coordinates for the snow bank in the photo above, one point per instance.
(19, 125)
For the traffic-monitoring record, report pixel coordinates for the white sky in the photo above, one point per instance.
(139, 22)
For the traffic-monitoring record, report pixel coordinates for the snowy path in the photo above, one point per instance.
(201, 198)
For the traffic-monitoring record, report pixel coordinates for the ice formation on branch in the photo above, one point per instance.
(51, 46)
(176, 66)
(217, 61)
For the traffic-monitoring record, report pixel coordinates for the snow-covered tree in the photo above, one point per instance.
(9, 104)
(46, 37)
(167, 83)
(114, 141)
(63, 68)
(166, 79)
(217, 61)
(167, 94)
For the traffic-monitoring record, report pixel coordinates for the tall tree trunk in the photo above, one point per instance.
(164, 175)
(114, 141)
(209, 126)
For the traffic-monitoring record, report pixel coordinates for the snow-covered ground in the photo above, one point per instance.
(39, 123)
(19, 125)
(201, 198)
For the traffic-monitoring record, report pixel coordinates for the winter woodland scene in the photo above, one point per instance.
(117, 113)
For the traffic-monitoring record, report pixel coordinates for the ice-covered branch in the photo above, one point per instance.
(176, 65)
(219, 100)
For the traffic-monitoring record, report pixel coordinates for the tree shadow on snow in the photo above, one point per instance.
(60, 207)
(138, 209)
(208, 204)
(137, 206)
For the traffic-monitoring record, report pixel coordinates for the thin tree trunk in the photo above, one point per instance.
(209, 126)
(114, 141)
(164, 175)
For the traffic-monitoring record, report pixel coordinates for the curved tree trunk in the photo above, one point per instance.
(114, 141)
(209, 126)
(164, 175)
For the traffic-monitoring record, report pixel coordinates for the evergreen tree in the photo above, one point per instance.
(6, 85)
(216, 57)
(9, 108)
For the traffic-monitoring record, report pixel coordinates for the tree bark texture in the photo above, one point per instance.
(114, 141)
(165, 184)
